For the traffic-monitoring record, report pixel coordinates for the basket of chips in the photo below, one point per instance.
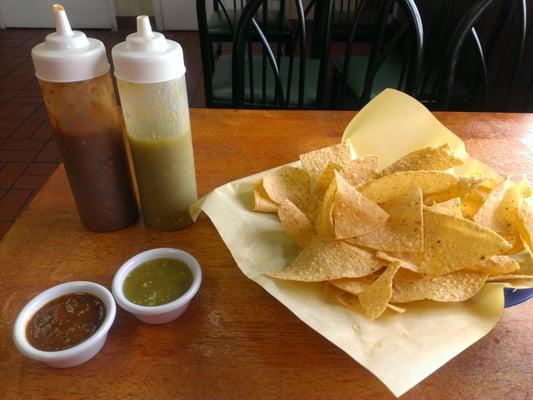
(396, 254)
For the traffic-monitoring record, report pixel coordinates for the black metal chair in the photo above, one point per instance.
(462, 56)
(222, 21)
(264, 74)
(219, 27)
(394, 60)
(344, 14)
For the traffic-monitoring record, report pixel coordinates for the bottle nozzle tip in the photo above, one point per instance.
(62, 23)
(143, 25)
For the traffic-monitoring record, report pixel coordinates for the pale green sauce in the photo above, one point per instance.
(157, 282)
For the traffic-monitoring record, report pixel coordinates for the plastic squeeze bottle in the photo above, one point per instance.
(151, 80)
(75, 82)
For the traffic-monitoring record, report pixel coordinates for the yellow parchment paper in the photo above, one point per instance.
(399, 349)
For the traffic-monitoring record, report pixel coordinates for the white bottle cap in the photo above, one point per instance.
(67, 55)
(147, 57)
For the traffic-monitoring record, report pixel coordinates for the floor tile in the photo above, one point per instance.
(25, 100)
(40, 115)
(41, 168)
(44, 132)
(34, 84)
(5, 83)
(7, 110)
(27, 129)
(10, 173)
(7, 126)
(12, 202)
(18, 155)
(23, 111)
(6, 69)
(7, 95)
(30, 93)
(11, 43)
(50, 153)
(4, 228)
(21, 144)
(33, 182)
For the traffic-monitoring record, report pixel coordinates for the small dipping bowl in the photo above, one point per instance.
(75, 355)
(165, 312)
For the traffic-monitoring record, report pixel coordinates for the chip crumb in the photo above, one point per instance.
(357, 329)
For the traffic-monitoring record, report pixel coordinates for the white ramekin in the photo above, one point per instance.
(74, 355)
(164, 312)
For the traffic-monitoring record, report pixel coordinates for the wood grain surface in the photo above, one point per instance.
(235, 341)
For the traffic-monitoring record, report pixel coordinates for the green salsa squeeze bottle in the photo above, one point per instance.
(78, 93)
(151, 80)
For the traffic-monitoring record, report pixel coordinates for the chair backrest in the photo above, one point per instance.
(285, 70)
(230, 10)
(406, 35)
(227, 12)
(482, 39)
(344, 11)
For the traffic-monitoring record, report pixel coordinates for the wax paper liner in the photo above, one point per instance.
(399, 349)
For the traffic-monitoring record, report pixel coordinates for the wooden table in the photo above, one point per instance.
(235, 341)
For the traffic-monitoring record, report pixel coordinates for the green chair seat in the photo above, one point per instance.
(222, 86)
(219, 29)
(388, 75)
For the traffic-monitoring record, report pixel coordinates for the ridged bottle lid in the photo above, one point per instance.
(147, 57)
(67, 55)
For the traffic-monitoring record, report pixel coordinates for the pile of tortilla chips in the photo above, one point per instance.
(412, 231)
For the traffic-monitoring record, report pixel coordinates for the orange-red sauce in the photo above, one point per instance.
(65, 322)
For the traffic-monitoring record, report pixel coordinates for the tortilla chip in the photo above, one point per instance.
(345, 299)
(525, 215)
(472, 190)
(393, 185)
(453, 287)
(451, 244)
(511, 277)
(351, 301)
(524, 188)
(353, 213)
(397, 309)
(326, 261)
(357, 172)
(404, 230)
(296, 224)
(291, 183)
(354, 285)
(464, 186)
(428, 158)
(375, 297)
(326, 178)
(500, 211)
(324, 220)
(450, 207)
(315, 162)
(361, 170)
(261, 201)
(497, 265)
(405, 260)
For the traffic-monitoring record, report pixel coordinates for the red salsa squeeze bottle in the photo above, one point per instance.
(76, 86)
